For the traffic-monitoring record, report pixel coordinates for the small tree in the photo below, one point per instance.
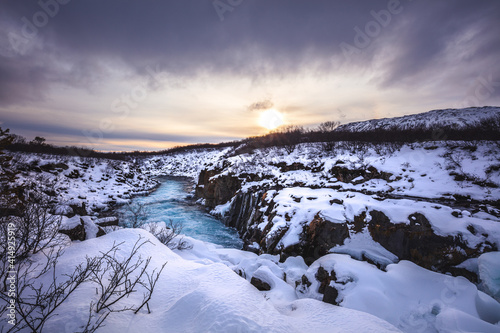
(135, 215)
(326, 129)
(328, 126)
(5, 172)
(38, 140)
(167, 234)
(290, 136)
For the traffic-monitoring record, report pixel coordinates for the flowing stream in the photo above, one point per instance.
(171, 202)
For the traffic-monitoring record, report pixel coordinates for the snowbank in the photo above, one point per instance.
(410, 297)
(195, 297)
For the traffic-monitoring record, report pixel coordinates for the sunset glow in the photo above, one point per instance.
(271, 119)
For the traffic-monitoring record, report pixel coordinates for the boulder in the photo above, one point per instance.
(80, 228)
(259, 284)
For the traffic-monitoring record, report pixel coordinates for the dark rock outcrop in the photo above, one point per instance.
(249, 209)
(418, 243)
(244, 212)
(79, 231)
(321, 235)
(346, 175)
(216, 191)
(79, 209)
(252, 213)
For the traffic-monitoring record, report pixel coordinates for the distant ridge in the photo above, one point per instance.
(446, 118)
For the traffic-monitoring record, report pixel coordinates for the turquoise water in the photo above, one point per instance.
(170, 202)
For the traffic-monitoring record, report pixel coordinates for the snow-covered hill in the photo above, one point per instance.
(447, 118)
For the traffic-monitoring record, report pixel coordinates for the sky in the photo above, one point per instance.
(147, 75)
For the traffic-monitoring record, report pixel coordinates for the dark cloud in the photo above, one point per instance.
(261, 105)
(256, 38)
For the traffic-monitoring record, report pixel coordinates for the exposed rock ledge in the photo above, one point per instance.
(252, 213)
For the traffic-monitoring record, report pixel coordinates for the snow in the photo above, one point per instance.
(207, 288)
(456, 118)
(361, 245)
(208, 297)
(93, 182)
(70, 223)
(489, 273)
(408, 296)
(293, 214)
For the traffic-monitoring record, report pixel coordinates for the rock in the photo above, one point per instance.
(359, 222)
(259, 284)
(79, 209)
(107, 221)
(346, 175)
(320, 236)
(244, 211)
(418, 243)
(330, 295)
(216, 191)
(76, 233)
(304, 281)
(80, 228)
(100, 232)
(284, 167)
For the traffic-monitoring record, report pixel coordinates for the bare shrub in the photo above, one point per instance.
(116, 279)
(167, 235)
(35, 302)
(119, 278)
(328, 126)
(135, 215)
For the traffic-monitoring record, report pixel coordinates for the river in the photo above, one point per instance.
(170, 201)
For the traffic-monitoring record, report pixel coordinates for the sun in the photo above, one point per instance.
(271, 119)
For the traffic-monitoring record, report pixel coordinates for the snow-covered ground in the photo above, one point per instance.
(200, 295)
(411, 298)
(202, 290)
(74, 181)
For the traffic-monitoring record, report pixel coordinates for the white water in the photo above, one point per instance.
(169, 202)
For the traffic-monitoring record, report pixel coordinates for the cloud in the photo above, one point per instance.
(436, 50)
(256, 39)
(261, 105)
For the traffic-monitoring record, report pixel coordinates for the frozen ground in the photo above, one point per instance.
(200, 289)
